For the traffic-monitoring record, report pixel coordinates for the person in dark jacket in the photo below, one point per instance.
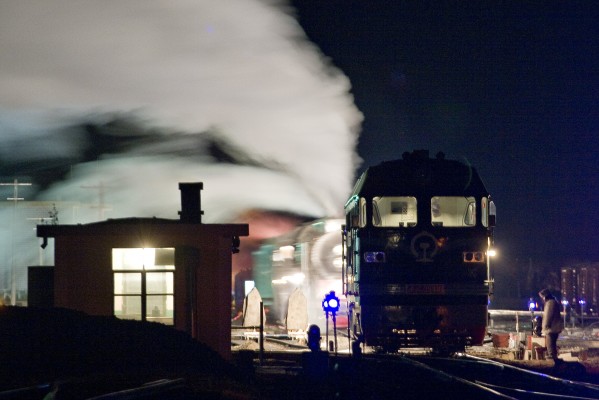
(552, 323)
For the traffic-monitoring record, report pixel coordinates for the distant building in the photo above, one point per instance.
(569, 284)
(176, 272)
(581, 283)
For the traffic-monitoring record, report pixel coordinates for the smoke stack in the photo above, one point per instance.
(191, 204)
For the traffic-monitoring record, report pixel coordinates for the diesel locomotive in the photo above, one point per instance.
(416, 242)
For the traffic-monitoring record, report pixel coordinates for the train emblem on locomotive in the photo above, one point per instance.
(415, 254)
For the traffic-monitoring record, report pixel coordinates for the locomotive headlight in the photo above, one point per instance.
(473, 256)
(374, 256)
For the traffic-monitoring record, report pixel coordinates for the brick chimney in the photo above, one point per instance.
(191, 202)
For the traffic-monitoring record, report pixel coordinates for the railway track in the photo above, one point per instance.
(421, 376)
(464, 378)
(297, 374)
(509, 380)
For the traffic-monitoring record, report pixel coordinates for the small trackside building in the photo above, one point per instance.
(176, 272)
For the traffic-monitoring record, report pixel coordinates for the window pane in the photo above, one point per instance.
(484, 211)
(453, 211)
(127, 259)
(127, 283)
(143, 258)
(160, 309)
(159, 282)
(362, 212)
(394, 211)
(127, 307)
(163, 259)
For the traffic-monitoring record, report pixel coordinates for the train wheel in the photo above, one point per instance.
(448, 350)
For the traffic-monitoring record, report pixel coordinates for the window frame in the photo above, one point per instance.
(143, 294)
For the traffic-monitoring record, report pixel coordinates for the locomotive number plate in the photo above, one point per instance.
(425, 289)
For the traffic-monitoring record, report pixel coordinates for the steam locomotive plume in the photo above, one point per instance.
(136, 96)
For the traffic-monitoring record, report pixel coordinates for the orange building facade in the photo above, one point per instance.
(176, 272)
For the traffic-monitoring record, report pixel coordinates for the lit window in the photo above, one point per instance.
(144, 284)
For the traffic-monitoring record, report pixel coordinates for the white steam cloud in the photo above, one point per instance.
(178, 76)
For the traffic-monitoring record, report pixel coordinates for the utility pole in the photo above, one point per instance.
(101, 206)
(15, 184)
(15, 198)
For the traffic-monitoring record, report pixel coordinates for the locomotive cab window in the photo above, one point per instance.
(453, 211)
(362, 212)
(394, 211)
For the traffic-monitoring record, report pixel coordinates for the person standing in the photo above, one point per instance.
(552, 323)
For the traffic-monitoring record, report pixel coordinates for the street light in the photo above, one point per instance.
(565, 304)
(490, 253)
(582, 303)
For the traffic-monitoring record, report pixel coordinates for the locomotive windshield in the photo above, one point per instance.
(453, 211)
(402, 211)
(394, 211)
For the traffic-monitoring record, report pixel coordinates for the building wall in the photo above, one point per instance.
(40, 282)
(84, 280)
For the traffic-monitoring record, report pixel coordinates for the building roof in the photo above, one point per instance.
(132, 225)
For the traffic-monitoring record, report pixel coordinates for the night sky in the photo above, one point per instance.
(511, 87)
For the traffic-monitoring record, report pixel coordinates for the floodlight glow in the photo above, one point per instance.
(338, 262)
(332, 226)
(338, 250)
(286, 252)
(295, 279)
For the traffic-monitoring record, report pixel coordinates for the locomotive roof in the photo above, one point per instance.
(418, 174)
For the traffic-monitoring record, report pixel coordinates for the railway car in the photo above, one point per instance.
(417, 235)
(308, 258)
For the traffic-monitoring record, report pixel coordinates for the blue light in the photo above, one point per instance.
(331, 303)
(531, 304)
(374, 256)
